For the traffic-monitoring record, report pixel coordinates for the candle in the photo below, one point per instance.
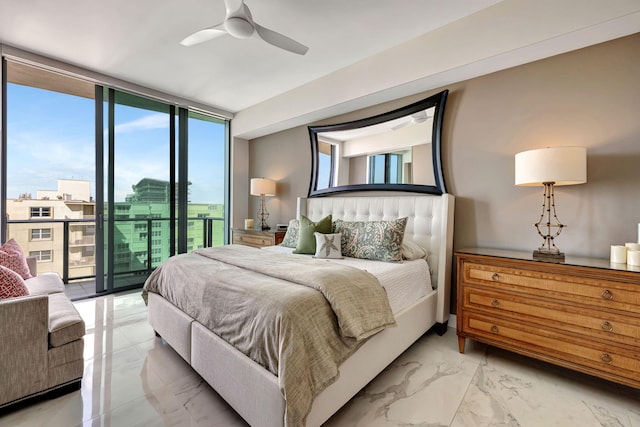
(633, 257)
(618, 254)
(639, 232)
(632, 246)
(248, 223)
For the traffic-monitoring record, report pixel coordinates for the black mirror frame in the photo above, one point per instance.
(438, 101)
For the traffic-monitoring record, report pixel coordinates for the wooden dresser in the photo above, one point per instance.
(582, 314)
(256, 238)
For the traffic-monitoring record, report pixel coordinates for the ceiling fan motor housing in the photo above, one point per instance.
(239, 27)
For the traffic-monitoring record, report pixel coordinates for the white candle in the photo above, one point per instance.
(248, 223)
(618, 254)
(633, 257)
(639, 232)
(632, 246)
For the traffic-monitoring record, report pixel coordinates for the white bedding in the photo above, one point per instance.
(405, 282)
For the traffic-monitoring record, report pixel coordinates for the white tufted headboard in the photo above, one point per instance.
(430, 224)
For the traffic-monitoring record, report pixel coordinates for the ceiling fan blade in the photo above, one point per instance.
(280, 40)
(401, 125)
(204, 35)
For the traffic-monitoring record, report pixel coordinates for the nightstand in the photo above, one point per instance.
(582, 314)
(256, 238)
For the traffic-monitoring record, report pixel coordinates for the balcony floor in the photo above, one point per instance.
(87, 288)
(80, 290)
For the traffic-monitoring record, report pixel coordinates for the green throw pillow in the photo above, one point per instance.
(306, 239)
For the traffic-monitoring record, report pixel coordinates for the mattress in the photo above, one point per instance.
(405, 282)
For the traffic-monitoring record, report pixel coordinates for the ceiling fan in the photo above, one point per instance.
(239, 23)
(418, 117)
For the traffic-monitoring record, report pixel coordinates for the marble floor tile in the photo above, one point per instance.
(133, 378)
(512, 390)
(424, 386)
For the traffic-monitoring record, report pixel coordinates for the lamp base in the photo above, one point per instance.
(265, 228)
(548, 256)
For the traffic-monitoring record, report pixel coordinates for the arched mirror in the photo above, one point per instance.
(399, 151)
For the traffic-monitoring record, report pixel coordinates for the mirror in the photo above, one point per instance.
(399, 151)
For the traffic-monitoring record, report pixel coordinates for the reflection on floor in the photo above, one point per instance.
(132, 378)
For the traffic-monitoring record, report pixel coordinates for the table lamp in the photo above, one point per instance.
(550, 167)
(263, 187)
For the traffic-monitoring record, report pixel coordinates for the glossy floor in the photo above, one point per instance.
(132, 379)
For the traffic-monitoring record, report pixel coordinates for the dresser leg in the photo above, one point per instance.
(461, 341)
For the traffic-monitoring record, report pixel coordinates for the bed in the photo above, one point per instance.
(253, 391)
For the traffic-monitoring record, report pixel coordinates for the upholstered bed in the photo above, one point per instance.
(251, 389)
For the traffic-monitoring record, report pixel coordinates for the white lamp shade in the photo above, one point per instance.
(263, 186)
(559, 165)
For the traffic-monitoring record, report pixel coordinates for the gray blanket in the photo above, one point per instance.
(254, 300)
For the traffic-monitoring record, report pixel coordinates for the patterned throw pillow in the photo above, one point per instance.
(11, 284)
(11, 256)
(291, 236)
(376, 240)
(306, 239)
(328, 245)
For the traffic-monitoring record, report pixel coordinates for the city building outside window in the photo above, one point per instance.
(41, 234)
(40, 212)
(44, 255)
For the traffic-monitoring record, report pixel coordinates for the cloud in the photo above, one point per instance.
(152, 121)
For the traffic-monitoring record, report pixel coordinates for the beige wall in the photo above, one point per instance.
(589, 97)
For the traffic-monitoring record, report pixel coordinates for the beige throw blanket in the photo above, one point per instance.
(253, 300)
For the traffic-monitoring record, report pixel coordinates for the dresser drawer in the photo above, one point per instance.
(586, 290)
(555, 346)
(591, 323)
(253, 240)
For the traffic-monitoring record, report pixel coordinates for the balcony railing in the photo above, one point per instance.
(150, 237)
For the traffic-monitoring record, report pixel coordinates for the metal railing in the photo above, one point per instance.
(212, 234)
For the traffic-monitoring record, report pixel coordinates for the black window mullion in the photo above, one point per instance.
(99, 179)
(111, 189)
(183, 176)
(173, 202)
(3, 152)
(387, 168)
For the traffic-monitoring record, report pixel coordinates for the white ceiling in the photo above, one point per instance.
(138, 40)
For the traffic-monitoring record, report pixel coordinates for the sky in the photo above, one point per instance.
(51, 136)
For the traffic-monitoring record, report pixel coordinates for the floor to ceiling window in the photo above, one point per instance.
(137, 187)
(50, 174)
(206, 189)
(104, 207)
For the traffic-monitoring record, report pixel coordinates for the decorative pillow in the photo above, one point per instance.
(11, 284)
(11, 256)
(411, 250)
(376, 240)
(291, 236)
(306, 239)
(328, 245)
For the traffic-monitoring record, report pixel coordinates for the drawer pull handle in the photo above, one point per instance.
(606, 358)
(495, 302)
(494, 329)
(495, 277)
(606, 326)
(607, 294)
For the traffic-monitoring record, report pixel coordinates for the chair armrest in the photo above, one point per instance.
(32, 263)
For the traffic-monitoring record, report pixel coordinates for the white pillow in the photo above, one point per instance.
(411, 250)
(328, 245)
